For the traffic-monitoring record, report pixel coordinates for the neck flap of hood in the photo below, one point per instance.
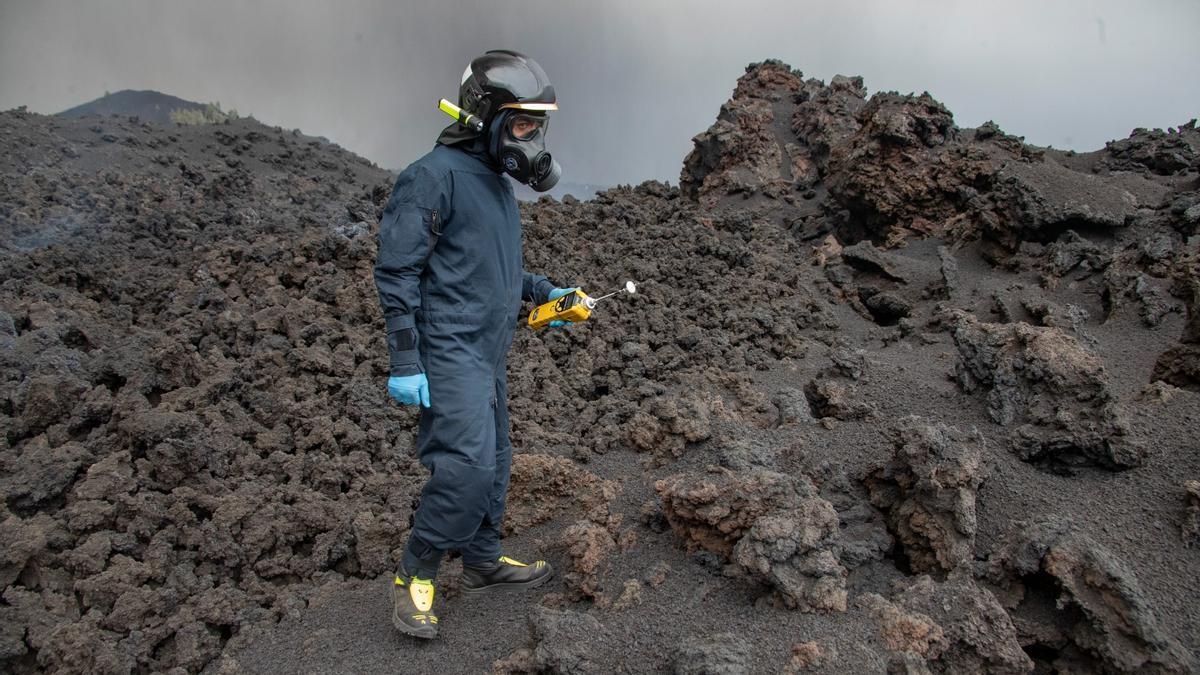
(471, 142)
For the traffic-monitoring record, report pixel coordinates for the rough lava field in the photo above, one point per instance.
(894, 396)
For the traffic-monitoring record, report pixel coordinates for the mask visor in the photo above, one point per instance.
(524, 127)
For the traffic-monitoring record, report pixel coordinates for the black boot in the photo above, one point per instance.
(412, 606)
(505, 573)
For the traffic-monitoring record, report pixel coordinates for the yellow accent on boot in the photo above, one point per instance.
(421, 592)
(510, 561)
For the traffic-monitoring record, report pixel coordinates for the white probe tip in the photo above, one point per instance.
(630, 287)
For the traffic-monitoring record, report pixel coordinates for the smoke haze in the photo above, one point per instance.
(635, 80)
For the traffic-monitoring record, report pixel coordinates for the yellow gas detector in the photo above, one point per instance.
(574, 306)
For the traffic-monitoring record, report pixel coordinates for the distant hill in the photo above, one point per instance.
(147, 105)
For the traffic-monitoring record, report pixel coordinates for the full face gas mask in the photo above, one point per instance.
(518, 142)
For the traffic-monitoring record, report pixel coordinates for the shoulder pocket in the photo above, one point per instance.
(407, 233)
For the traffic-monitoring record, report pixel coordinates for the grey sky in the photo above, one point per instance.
(635, 79)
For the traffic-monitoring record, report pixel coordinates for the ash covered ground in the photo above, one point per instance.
(894, 395)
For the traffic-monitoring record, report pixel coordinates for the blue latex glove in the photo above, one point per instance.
(556, 294)
(410, 389)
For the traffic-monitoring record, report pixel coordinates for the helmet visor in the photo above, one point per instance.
(524, 127)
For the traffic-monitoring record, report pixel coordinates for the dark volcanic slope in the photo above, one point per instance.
(893, 395)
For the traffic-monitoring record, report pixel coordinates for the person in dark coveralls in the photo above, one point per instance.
(451, 284)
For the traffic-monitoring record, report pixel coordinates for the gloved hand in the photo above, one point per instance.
(409, 389)
(556, 294)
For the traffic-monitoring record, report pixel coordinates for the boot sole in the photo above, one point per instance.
(422, 632)
(508, 586)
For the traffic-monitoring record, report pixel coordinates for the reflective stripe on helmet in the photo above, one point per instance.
(530, 106)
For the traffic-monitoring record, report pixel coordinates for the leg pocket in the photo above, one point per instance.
(459, 420)
(454, 502)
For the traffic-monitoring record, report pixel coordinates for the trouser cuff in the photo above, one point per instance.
(421, 559)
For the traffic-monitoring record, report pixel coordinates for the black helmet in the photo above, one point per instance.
(503, 89)
(502, 78)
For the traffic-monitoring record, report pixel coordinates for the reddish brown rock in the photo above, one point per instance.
(1191, 516)
(928, 493)
(1180, 365)
(773, 526)
(977, 633)
(542, 487)
(665, 425)
(561, 642)
(741, 152)
(1101, 620)
(903, 630)
(808, 656)
(1052, 392)
(590, 548)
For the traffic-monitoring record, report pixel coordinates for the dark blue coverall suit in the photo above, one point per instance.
(449, 266)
